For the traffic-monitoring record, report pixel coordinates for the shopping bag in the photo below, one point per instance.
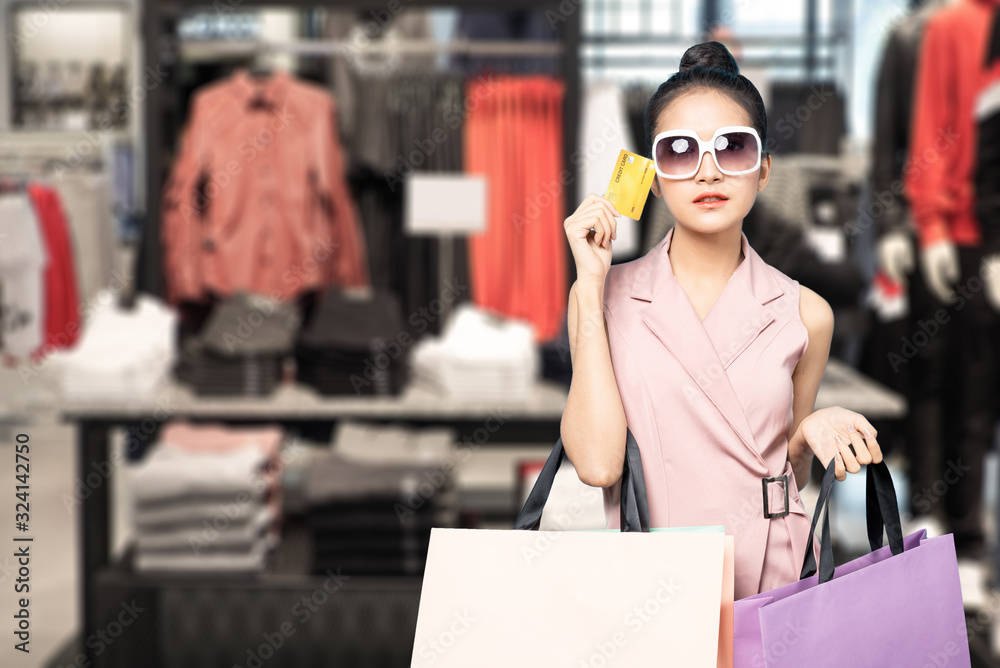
(899, 605)
(725, 658)
(495, 598)
(634, 509)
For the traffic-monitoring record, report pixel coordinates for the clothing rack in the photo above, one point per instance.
(813, 51)
(164, 113)
(31, 146)
(101, 582)
(669, 64)
(15, 163)
(389, 46)
(687, 40)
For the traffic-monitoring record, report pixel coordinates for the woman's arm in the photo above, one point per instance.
(593, 422)
(817, 316)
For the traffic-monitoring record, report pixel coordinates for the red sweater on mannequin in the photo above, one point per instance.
(939, 175)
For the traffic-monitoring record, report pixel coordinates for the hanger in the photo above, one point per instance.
(263, 62)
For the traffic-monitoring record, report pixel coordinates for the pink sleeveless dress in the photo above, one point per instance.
(710, 405)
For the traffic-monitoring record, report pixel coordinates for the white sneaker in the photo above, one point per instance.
(972, 576)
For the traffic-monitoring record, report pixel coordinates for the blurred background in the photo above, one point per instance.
(284, 286)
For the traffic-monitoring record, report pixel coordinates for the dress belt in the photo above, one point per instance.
(783, 479)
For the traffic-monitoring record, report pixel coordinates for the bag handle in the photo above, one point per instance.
(634, 505)
(634, 513)
(882, 510)
(825, 544)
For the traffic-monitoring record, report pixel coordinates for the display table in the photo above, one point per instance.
(104, 585)
(844, 386)
(477, 423)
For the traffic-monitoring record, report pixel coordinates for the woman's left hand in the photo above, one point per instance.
(832, 432)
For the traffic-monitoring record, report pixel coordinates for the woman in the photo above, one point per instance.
(711, 357)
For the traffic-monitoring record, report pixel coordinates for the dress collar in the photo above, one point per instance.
(269, 90)
(656, 271)
(707, 348)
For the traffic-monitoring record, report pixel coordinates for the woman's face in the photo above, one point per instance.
(704, 111)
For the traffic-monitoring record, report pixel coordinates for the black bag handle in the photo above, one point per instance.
(634, 505)
(882, 510)
(825, 544)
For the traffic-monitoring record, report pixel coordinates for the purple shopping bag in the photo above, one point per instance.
(899, 605)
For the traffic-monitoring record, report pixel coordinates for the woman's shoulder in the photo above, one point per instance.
(813, 310)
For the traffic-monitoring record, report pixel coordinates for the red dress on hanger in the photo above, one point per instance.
(61, 326)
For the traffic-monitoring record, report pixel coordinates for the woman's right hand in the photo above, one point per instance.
(592, 249)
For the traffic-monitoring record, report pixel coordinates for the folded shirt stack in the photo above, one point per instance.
(354, 345)
(479, 356)
(393, 443)
(122, 355)
(208, 438)
(207, 498)
(212, 374)
(241, 348)
(375, 517)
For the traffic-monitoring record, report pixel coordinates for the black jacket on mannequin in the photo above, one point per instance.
(893, 115)
(987, 168)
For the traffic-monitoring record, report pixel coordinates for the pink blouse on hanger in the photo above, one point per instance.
(257, 199)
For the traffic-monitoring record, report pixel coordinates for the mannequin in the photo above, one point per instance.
(987, 169)
(939, 262)
(923, 378)
(895, 255)
(894, 103)
(894, 250)
(991, 269)
(958, 250)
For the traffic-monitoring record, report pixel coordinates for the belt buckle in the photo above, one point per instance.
(767, 507)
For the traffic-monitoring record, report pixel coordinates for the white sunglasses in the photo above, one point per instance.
(735, 149)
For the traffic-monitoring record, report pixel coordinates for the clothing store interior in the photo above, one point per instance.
(284, 286)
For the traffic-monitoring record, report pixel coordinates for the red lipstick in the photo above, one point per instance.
(710, 200)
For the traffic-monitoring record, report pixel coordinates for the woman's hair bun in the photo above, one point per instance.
(712, 55)
(707, 66)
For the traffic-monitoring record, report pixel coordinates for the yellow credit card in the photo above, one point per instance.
(630, 184)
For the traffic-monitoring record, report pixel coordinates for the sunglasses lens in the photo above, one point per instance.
(736, 151)
(676, 155)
